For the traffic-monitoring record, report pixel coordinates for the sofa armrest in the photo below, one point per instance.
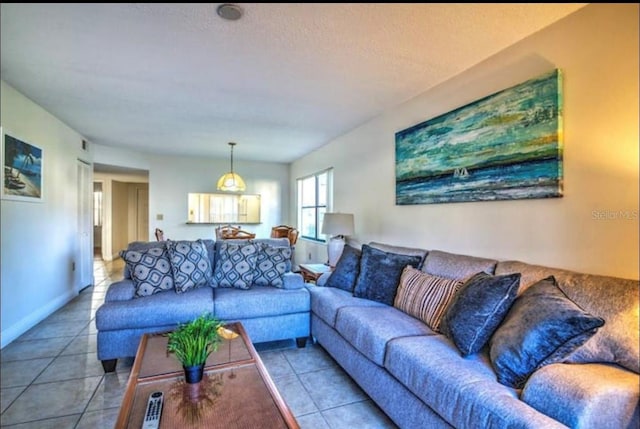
(322, 280)
(585, 395)
(123, 290)
(293, 281)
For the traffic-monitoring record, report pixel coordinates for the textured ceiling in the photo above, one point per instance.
(281, 82)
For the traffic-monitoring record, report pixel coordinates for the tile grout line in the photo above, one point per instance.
(102, 379)
(60, 354)
(295, 372)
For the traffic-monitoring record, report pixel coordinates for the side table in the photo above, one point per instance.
(312, 272)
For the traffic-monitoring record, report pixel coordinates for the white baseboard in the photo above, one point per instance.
(17, 329)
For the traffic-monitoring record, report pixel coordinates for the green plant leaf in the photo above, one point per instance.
(193, 342)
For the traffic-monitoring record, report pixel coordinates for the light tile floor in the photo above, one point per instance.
(51, 378)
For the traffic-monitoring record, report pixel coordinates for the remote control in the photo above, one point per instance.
(154, 409)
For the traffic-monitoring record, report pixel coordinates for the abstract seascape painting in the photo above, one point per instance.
(505, 146)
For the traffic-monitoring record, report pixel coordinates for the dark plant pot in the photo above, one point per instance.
(193, 374)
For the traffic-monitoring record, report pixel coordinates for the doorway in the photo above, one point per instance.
(97, 219)
(125, 208)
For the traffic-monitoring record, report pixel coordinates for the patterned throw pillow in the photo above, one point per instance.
(190, 264)
(271, 264)
(235, 265)
(150, 270)
(424, 296)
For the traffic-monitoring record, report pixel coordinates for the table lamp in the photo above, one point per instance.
(336, 225)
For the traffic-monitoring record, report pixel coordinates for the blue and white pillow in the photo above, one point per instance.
(235, 265)
(271, 265)
(190, 264)
(150, 270)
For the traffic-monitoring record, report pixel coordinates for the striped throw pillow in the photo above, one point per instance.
(424, 296)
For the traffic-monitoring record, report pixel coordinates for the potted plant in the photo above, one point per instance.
(192, 344)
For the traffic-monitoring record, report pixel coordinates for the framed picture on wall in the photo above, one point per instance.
(22, 174)
(505, 146)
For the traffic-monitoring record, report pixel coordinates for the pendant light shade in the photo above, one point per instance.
(231, 182)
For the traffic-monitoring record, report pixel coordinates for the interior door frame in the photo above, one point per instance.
(84, 256)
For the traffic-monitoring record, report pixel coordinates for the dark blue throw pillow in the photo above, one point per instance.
(346, 272)
(380, 274)
(543, 327)
(477, 310)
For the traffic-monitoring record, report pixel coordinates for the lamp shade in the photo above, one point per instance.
(231, 182)
(338, 224)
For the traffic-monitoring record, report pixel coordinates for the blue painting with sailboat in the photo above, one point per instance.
(22, 169)
(505, 146)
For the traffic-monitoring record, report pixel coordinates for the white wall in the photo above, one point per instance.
(171, 178)
(39, 241)
(29, 240)
(597, 49)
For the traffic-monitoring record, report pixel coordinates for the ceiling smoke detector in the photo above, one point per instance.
(229, 11)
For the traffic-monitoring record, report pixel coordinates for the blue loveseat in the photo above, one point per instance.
(267, 313)
(420, 379)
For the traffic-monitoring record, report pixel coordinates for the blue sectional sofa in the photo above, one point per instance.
(420, 379)
(267, 313)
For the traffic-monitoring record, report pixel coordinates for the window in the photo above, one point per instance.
(313, 201)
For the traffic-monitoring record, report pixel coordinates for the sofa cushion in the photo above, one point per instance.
(161, 309)
(271, 264)
(345, 274)
(542, 327)
(189, 263)
(454, 266)
(233, 304)
(380, 273)
(326, 301)
(424, 296)
(613, 299)
(461, 390)
(235, 265)
(585, 396)
(369, 329)
(150, 270)
(477, 309)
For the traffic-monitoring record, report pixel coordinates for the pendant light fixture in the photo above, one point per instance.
(231, 182)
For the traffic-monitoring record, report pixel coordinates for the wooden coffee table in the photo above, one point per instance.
(236, 391)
